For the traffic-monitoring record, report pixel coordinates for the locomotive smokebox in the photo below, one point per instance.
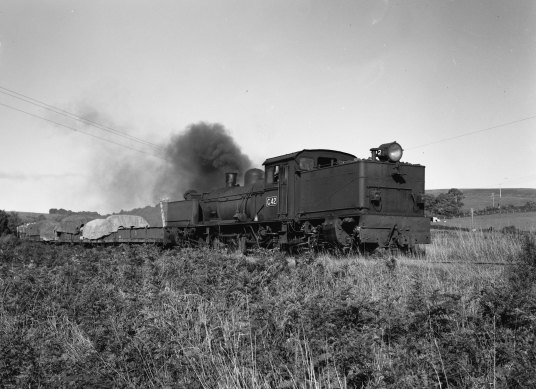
(230, 180)
(252, 176)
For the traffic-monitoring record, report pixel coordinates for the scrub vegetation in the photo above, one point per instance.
(145, 317)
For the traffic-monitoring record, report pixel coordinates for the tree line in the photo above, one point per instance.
(444, 204)
(68, 212)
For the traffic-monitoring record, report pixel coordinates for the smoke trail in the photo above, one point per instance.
(117, 177)
(198, 158)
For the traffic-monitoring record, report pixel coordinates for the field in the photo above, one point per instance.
(525, 221)
(145, 317)
(482, 198)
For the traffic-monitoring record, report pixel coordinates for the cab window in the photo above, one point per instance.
(307, 163)
(326, 161)
(276, 173)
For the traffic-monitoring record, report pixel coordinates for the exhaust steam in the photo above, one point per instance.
(198, 159)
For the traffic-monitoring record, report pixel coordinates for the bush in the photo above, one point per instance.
(512, 309)
(9, 223)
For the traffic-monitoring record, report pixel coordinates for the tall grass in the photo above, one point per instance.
(476, 246)
(142, 317)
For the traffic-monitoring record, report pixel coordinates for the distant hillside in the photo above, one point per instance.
(30, 217)
(482, 198)
(150, 213)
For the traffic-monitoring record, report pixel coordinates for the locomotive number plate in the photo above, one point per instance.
(271, 201)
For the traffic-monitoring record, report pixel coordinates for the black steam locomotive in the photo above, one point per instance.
(310, 199)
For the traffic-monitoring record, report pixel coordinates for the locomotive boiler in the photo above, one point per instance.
(309, 199)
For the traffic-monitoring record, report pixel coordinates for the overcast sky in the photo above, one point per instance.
(452, 81)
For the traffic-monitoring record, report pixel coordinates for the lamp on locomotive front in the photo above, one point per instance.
(391, 152)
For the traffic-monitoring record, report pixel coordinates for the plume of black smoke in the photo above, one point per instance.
(199, 158)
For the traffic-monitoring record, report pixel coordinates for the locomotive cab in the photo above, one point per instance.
(282, 176)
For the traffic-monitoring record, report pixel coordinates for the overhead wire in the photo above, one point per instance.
(78, 130)
(507, 180)
(71, 115)
(479, 131)
(473, 132)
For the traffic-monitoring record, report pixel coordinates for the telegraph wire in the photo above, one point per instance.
(41, 104)
(60, 111)
(473, 132)
(77, 130)
(507, 180)
(52, 108)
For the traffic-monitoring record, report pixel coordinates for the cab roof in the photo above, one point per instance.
(311, 153)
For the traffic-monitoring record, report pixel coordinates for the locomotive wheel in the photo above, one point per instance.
(242, 244)
(414, 251)
(216, 244)
(303, 248)
(380, 252)
(235, 244)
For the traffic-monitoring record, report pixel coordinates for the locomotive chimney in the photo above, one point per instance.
(230, 179)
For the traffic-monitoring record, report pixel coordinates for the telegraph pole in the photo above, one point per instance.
(472, 220)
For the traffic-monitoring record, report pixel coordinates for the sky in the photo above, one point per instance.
(453, 82)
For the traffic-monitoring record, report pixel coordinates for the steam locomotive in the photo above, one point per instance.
(307, 200)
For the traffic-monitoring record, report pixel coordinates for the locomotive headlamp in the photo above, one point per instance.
(388, 152)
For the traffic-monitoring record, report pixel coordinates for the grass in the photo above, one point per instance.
(472, 246)
(143, 317)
